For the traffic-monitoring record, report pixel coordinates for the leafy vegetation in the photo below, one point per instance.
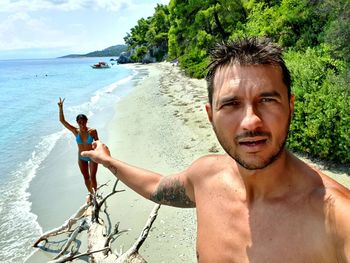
(314, 34)
(150, 35)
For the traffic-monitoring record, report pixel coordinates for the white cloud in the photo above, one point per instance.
(76, 25)
(33, 33)
(64, 5)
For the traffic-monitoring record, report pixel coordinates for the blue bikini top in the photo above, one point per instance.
(88, 141)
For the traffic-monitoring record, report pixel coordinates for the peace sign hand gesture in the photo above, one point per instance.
(60, 102)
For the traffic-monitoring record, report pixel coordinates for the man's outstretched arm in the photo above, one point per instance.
(171, 190)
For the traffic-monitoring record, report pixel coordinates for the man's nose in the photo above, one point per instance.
(251, 119)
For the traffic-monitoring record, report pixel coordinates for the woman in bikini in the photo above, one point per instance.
(84, 137)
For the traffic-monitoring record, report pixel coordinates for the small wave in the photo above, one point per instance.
(95, 103)
(110, 88)
(19, 227)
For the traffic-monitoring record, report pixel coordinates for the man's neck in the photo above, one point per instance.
(274, 181)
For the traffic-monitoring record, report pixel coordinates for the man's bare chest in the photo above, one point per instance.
(265, 233)
(281, 235)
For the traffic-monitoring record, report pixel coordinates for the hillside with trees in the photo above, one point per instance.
(313, 33)
(113, 51)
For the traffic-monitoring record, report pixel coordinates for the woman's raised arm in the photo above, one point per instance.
(62, 119)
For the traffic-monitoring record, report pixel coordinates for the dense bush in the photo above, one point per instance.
(140, 52)
(320, 125)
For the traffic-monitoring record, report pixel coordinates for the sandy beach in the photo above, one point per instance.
(160, 125)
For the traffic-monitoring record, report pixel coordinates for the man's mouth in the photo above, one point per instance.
(253, 142)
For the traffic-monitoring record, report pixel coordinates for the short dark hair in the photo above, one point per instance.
(246, 51)
(81, 117)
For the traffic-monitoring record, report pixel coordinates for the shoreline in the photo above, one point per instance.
(161, 125)
(58, 190)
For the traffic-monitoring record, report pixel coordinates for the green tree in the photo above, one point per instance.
(150, 35)
(137, 37)
(197, 25)
(291, 23)
(157, 34)
(337, 34)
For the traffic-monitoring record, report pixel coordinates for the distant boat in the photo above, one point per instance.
(100, 65)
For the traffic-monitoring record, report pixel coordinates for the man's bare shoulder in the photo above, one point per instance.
(320, 183)
(337, 213)
(178, 189)
(323, 190)
(327, 188)
(213, 161)
(334, 188)
(210, 165)
(329, 207)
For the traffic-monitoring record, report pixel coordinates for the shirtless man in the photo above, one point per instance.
(257, 203)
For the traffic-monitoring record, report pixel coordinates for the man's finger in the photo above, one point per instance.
(86, 153)
(95, 144)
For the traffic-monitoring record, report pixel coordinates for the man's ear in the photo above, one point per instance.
(209, 110)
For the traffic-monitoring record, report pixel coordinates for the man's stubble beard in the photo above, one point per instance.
(254, 166)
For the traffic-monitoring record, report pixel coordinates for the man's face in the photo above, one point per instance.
(251, 113)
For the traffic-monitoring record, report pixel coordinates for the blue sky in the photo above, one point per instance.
(52, 28)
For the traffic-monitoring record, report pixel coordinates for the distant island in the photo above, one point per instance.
(113, 51)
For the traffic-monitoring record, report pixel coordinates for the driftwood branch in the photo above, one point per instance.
(152, 217)
(113, 236)
(73, 255)
(114, 190)
(100, 237)
(65, 227)
(132, 255)
(83, 226)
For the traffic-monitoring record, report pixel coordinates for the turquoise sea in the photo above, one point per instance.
(30, 130)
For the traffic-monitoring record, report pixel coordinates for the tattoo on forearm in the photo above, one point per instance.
(173, 193)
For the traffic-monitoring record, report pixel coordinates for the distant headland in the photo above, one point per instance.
(113, 51)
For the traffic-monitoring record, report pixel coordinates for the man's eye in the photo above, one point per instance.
(264, 100)
(233, 103)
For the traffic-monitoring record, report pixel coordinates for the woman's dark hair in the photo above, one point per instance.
(81, 117)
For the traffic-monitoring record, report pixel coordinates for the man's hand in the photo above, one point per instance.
(100, 153)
